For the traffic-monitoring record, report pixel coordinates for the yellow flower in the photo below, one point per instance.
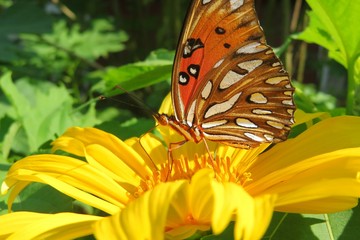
(244, 186)
(136, 184)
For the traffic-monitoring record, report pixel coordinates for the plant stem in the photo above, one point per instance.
(353, 98)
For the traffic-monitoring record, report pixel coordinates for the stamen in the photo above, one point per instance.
(183, 168)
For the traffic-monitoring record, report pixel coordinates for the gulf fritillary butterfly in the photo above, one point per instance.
(227, 84)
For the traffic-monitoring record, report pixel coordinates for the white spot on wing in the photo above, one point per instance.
(288, 102)
(253, 47)
(258, 98)
(206, 1)
(276, 64)
(230, 79)
(213, 124)
(269, 137)
(219, 63)
(187, 50)
(250, 65)
(222, 107)
(254, 137)
(276, 80)
(235, 4)
(261, 111)
(276, 125)
(288, 93)
(207, 90)
(191, 114)
(193, 71)
(246, 123)
(182, 79)
(224, 137)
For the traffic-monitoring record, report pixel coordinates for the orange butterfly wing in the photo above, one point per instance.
(226, 81)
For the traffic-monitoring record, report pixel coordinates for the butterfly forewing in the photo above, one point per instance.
(202, 18)
(226, 81)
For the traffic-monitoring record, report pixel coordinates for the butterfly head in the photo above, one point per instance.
(162, 119)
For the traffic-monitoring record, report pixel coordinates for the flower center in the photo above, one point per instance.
(184, 168)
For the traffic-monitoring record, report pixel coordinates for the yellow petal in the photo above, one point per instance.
(252, 215)
(188, 212)
(70, 176)
(308, 186)
(326, 196)
(166, 106)
(76, 139)
(219, 204)
(150, 148)
(109, 164)
(21, 225)
(12, 222)
(202, 207)
(326, 136)
(143, 218)
(302, 117)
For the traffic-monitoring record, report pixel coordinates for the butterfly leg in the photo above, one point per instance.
(212, 159)
(171, 148)
(146, 152)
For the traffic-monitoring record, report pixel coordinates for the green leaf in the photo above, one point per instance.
(3, 171)
(129, 128)
(345, 225)
(310, 100)
(65, 42)
(294, 226)
(43, 110)
(38, 197)
(333, 26)
(357, 86)
(156, 68)
(8, 140)
(228, 233)
(341, 225)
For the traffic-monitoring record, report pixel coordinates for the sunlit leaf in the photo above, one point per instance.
(341, 225)
(332, 26)
(156, 68)
(43, 110)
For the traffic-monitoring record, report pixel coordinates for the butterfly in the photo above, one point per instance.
(228, 86)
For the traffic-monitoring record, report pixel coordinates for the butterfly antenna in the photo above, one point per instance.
(140, 103)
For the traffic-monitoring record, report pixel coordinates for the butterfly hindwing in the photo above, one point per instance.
(249, 101)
